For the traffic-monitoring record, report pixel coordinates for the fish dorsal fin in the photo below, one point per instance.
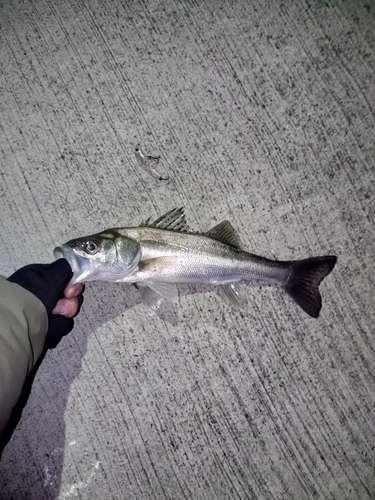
(225, 233)
(174, 220)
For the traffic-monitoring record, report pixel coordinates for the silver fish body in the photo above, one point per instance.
(155, 256)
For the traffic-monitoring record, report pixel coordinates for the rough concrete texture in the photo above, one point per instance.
(263, 113)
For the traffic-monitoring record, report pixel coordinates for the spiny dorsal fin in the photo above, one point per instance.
(225, 233)
(174, 220)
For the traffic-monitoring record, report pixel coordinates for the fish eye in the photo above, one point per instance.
(91, 247)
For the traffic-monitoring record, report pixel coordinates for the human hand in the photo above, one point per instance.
(49, 282)
(70, 304)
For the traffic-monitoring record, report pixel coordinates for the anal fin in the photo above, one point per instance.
(233, 292)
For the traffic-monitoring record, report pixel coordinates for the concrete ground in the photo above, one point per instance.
(263, 113)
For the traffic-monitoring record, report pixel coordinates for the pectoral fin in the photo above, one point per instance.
(151, 289)
(155, 270)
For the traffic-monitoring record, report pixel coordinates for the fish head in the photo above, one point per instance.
(105, 256)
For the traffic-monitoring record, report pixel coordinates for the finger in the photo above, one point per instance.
(68, 307)
(73, 290)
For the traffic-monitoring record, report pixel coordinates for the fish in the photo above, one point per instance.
(156, 256)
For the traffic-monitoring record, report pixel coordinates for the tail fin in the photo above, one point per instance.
(304, 280)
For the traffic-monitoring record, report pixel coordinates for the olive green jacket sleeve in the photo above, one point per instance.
(23, 329)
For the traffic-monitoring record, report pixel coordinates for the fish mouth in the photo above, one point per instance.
(77, 263)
